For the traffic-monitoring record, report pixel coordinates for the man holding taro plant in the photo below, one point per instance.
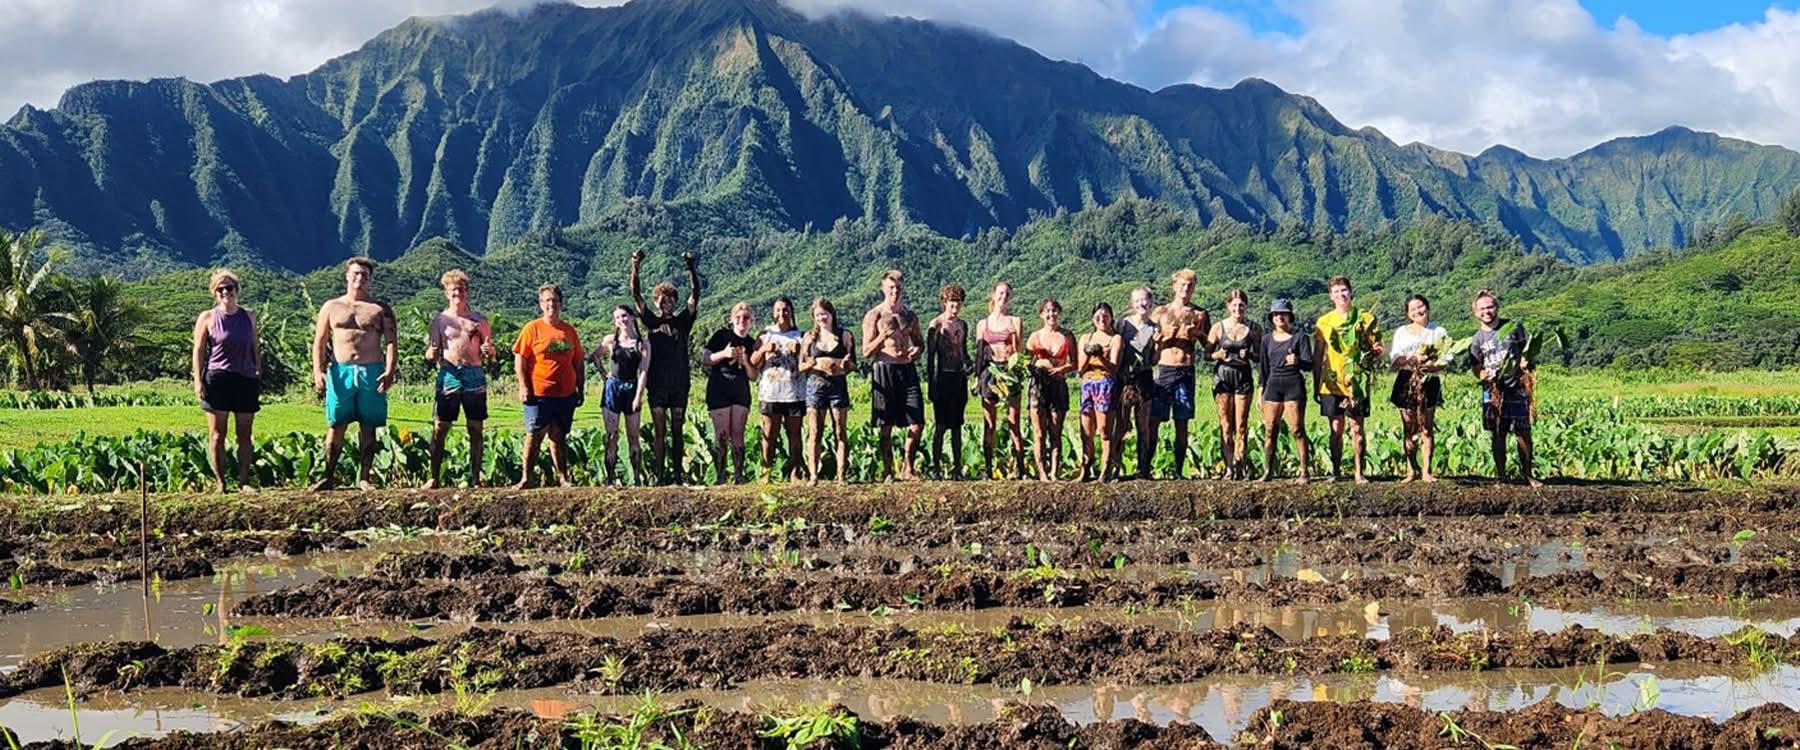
(1347, 342)
(1504, 359)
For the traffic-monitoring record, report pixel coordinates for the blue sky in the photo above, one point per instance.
(1660, 17)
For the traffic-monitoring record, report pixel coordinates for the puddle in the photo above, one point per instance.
(1222, 705)
(177, 614)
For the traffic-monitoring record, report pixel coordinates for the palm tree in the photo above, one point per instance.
(25, 302)
(100, 324)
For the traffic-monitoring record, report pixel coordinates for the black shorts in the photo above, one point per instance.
(1233, 380)
(472, 404)
(1402, 395)
(784, 408)
(668, 394)
(1137, 388)
(828, 392)
(1049, 392)
(1332, 407)
(949, 398)
(722, 393)
(227, 391)
(1513, 414)
(984, 387)
(895, 398)
(1290, 389)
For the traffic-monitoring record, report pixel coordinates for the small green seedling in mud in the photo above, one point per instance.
(1275, 720)
(912, 600)
(592, 732)
(1742, 537)
(880, 524)
(812, 724)
(1458, 735)
(207, 609)
(1025, 686)
(881, 611)
(577, 562)
(75, 721)
(240, 633)
(771, 504)
(16, 582)
(1520, 607)
(611, 671)
(1759, 648)
(1357, 664)
(1648, 694)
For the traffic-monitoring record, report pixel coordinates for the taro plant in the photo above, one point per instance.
(810, 724)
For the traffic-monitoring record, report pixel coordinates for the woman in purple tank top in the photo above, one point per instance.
(227, 374)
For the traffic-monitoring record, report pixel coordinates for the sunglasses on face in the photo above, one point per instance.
(227, 288)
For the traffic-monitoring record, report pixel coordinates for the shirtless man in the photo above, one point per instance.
(1181, 327)
(947, 365)
(457, 342)
(359, 335)
(892, 341)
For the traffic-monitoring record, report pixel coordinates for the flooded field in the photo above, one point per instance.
(1610, 611)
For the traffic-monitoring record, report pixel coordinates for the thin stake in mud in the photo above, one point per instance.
(144, 543)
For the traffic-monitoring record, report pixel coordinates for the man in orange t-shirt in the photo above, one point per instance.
(547, 360)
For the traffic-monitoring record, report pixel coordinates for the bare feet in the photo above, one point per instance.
(524, 484)
(563, 481)
(219, 489)
(1360, 479)
(1407, 478)
(1302, 479)
(431, 484)
(324, 485)
(365, 485)
(1266, 476)
(1429, 478)
(1534, 482)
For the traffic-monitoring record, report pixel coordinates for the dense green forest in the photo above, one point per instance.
(1723, 305)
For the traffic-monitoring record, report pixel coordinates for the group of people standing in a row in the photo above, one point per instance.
(1132, 372)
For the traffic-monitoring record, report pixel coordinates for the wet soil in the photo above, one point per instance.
(677, 659)
(957, 502)
(10, 606)
(493, 588)
(1284, 725)
(81, 559)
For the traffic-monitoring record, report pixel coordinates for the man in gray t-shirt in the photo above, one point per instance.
(1505, 404)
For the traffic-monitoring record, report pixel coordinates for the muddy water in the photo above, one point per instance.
(176, 615)
(1222, 705)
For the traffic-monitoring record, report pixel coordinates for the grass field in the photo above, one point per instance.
(410, 408)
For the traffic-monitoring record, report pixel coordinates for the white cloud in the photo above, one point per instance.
(1539, 75)
(46, 46)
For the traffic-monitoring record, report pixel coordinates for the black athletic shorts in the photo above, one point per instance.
(668, 394)
(1049, 392)
(828, 392)
(722, 393)
(784, 408)
(949, 398)
(1233, 379)
(1332, 407)
(227, 391)
(1290, 389)
(474, 405)
(895, 397)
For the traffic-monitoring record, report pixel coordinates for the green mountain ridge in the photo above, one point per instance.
(488, 127)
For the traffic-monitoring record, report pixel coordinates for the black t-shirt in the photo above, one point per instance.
(669, 340)
(727, 372)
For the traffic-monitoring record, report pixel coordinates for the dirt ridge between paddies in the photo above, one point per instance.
(682, 659)
(1023, 725)
(957, 502)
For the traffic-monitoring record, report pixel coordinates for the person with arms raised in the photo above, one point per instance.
(668, 330)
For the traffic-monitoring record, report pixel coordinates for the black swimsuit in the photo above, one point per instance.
(1232, 376)
(1281, 381)
(828, 391)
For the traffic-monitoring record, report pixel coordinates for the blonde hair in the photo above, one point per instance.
(741, 307)
(664, 290)
(368, 265)
(1185, 274)
(454, 276)
(221, 276)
